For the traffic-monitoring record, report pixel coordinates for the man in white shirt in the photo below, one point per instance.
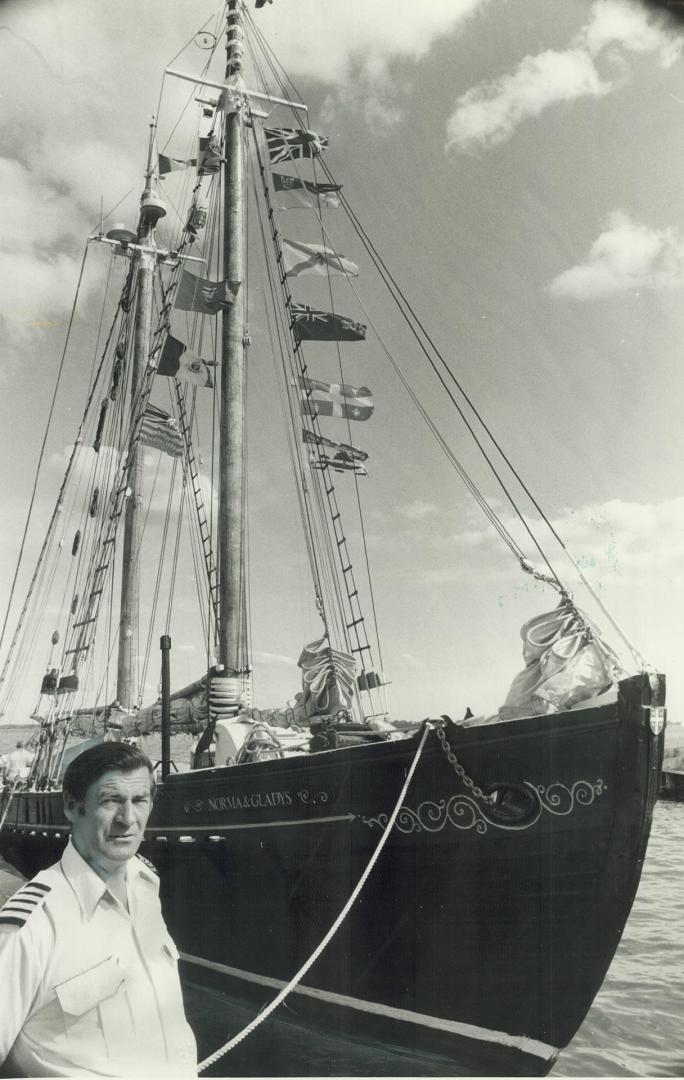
(19, 763)
(88, 972)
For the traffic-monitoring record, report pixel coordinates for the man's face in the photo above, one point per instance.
(108, 827)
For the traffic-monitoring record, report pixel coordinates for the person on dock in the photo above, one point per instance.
(89, 969)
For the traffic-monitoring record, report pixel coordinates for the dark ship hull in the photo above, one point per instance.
(482, 933)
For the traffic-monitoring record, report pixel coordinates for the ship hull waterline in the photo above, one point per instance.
(480, 934)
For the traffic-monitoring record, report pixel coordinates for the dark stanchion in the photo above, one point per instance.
(165, 646)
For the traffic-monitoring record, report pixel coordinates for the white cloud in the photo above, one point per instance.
(369, 91)
(633, 538)
(621, 22)
(339, 36)
(38, 264)
(489, 113)
(352, 44)
(419, 510)
(75, 78)
(628, 539)
(274, 659)
(626, 255)
(408, 660)
(88, 465)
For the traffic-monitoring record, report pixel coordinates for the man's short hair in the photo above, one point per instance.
(93, 763)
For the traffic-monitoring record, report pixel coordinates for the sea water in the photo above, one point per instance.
(636, 1025)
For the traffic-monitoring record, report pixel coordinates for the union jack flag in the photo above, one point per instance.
(288, 144)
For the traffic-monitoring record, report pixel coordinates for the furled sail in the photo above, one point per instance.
(188, 714)
(566, 662)
(327, 678)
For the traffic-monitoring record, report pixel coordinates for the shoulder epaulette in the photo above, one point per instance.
(148, 864)
(23, 903)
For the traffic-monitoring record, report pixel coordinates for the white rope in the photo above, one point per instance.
(333, 929)
(9, 801)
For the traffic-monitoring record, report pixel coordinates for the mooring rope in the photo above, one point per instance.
(333, 929)
(9, 801)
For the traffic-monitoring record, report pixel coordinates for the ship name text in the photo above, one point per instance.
(255, 801)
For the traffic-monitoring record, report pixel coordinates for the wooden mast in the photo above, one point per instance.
(151, 209)
(231, 532)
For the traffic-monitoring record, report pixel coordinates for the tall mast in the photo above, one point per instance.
(233, 371)
(151, 209)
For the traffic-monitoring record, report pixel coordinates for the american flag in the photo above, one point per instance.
(160, 431)
(288, 144)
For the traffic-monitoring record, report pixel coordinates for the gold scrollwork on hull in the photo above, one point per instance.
(462, 812)
(561, 800)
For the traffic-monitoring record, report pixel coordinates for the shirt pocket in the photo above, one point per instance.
(85, 991)
(95, 1007)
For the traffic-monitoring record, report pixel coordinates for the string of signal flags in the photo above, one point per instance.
(198, 294)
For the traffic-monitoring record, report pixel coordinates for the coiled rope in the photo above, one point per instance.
(335, 926)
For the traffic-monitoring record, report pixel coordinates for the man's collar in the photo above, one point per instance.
(89, 886)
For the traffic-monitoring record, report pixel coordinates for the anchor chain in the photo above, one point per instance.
(457, 767)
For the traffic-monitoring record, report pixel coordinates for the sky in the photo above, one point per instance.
(518, 165)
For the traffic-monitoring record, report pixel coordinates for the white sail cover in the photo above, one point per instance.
(327, 678)
(565, 662)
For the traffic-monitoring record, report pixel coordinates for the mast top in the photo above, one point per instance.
(152, 207)
(234, 44)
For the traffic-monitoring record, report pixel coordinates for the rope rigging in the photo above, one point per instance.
(41, 454)
(97, 482)
(284, 84)
(343, 589)
(436, 360)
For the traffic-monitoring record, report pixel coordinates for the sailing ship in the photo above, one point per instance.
(459, 885)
